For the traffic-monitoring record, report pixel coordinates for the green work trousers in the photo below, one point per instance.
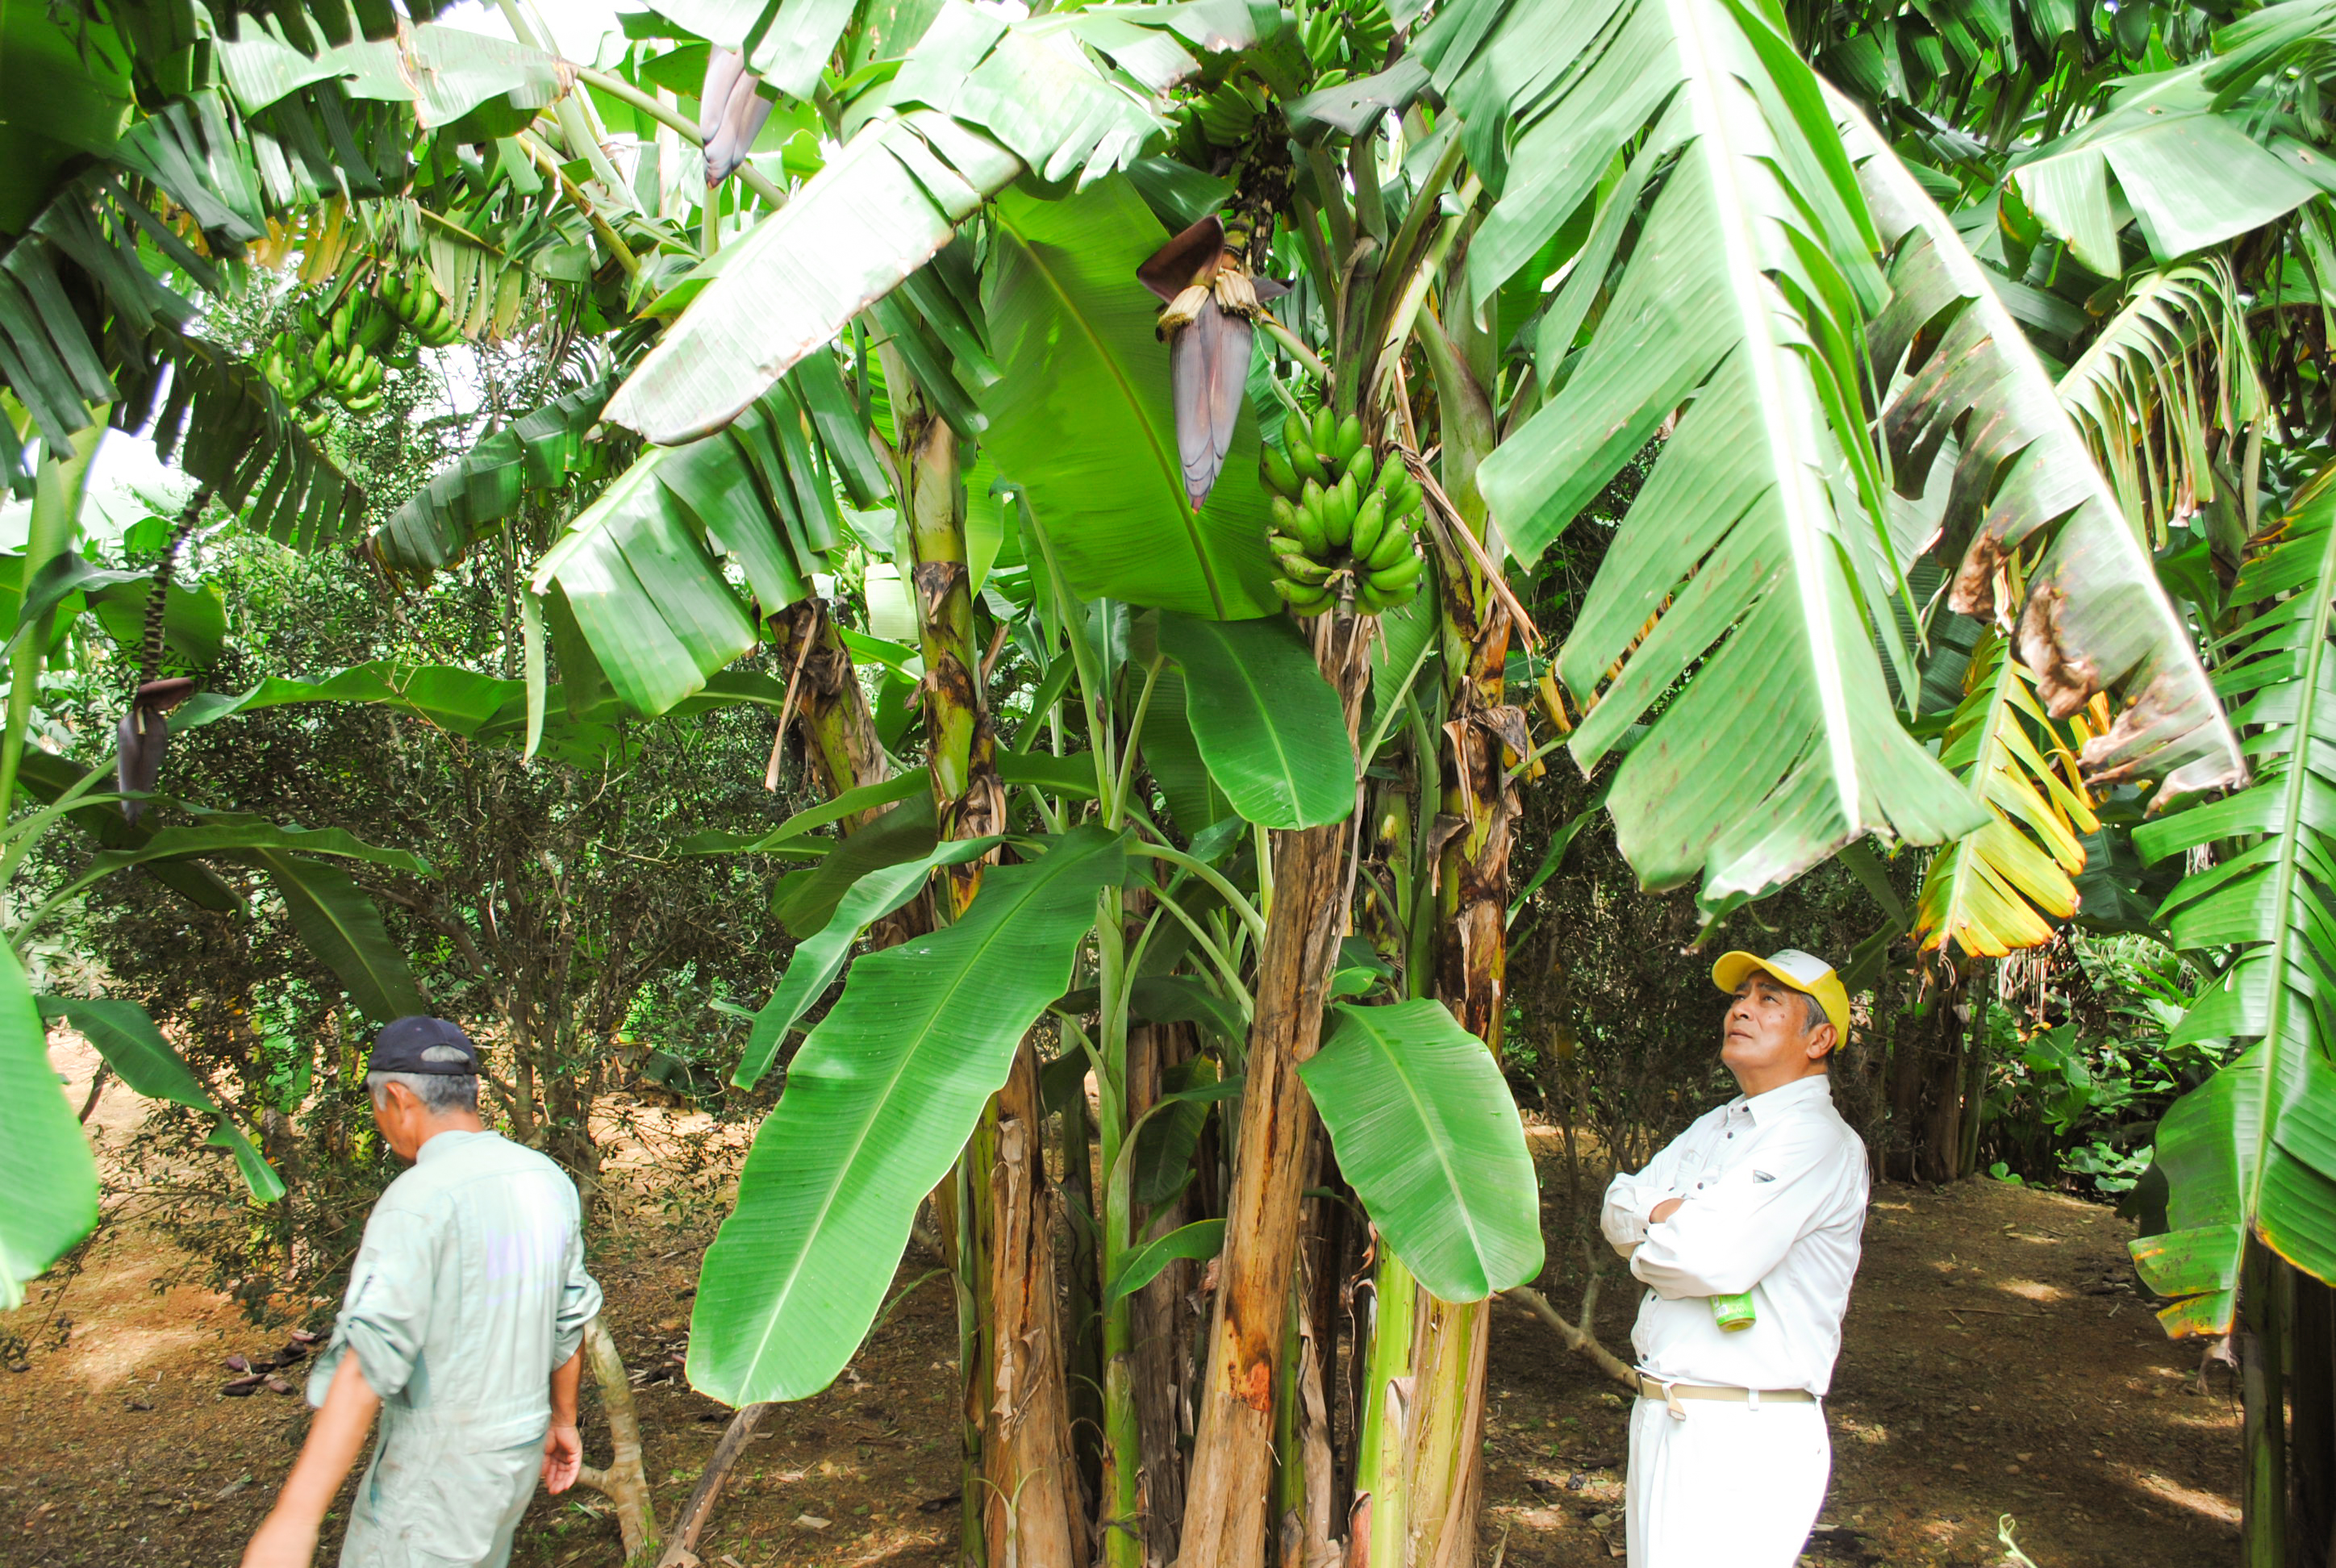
(427, 1501)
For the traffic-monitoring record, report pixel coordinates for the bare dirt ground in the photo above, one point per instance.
(1996, 1361)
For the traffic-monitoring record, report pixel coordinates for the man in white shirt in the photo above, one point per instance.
(1766, 1195)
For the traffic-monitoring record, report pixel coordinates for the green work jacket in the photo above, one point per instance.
(468, 1291)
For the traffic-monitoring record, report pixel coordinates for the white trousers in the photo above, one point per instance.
(1729, 1488)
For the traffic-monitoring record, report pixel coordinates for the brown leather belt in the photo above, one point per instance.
(1671, 1394)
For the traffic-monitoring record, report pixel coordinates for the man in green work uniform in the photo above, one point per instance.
(463, 1325)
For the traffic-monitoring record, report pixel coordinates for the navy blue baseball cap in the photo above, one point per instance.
(424, 1045)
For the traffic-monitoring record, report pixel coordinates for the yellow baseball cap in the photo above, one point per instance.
(1803, 972)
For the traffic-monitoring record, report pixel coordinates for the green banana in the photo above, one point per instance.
(1313, 523)
(1358, 467)
(1402, 572)
(1303, 461)
(1280, 476)
(1325, 433)
(1339, 507)
(1299, 596)
(1349, 436)
(1394, 545)
(1370, 518)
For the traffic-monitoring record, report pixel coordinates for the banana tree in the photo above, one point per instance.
(1431, 252)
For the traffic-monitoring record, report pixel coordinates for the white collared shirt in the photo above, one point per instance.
(1773, 1201)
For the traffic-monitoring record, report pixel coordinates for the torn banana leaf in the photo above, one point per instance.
(2096, 618)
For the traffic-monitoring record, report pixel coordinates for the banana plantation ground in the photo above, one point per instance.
(1996, 1361)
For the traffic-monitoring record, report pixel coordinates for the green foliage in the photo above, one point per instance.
(1263, 719)
(1080, 415)
(2252, 1152)
(1427, 1133)
(878, 1102)
(51, 1182)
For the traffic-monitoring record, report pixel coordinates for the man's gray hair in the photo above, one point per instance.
(440, 1094)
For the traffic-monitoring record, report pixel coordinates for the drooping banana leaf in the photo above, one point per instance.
(2002, 887)
(542, 450)
(2171, 371)
(639, 568)
(338, 923)
(2096, 618)
(879, 1101)
(1081, 420)
(821, 956)
(1758, 542)
(239, 435)
(125, 1036)
(1426, 1132)
(2253, 1150)
(45, 1167)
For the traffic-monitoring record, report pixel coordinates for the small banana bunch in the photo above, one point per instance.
(1342, 519)
(413, 300)
(1229, 114)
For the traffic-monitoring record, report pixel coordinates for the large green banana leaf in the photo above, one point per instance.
(638, 568)
(1081, 418)
(2254, 1148)
(2096, 617)
(644, 586)
(45, 1167)
(879, 1100)
(125, 1036)
(976, 103)
(1758, 540)
(1263, 719)
(1426, 1132)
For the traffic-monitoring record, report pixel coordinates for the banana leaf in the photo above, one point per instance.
(1081, 421)
(879, 1101)
(45, 1161)
(1426, 1132)
(2253, 1150)
(125, 1036)
(1760, 540)
(1263, 719)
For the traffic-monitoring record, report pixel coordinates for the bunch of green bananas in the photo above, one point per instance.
(1342, 519)
(342, 354)
(1229, 114)
(413, 300)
